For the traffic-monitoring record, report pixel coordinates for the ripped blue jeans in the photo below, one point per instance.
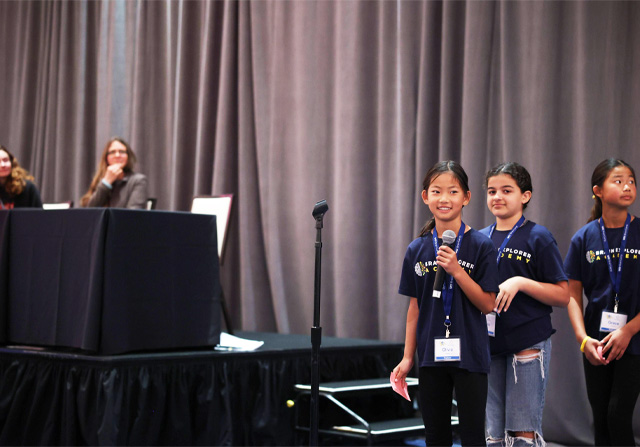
(516, 397)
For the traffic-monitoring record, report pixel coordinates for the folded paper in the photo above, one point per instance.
(400, 386)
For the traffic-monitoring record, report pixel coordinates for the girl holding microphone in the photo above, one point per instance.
(447, 327)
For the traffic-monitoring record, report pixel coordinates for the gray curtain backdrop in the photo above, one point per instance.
(284, 103)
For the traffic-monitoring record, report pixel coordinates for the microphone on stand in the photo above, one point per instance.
(448, 239)
(320, 208)
(316, 331)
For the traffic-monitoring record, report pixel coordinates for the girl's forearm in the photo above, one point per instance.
(484, 301)
(574, 308)
(410, 342)
(548, 293)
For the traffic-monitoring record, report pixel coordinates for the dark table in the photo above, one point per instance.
(109, 281)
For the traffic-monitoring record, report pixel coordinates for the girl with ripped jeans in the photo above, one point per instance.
(532, 280)
(516, 396)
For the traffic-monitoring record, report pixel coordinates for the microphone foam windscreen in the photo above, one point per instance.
(448, 237)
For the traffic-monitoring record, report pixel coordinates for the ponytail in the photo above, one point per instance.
(596, 210)
(426, 229)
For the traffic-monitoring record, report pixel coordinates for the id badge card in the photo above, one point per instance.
(491, 324)
(446, 349)
(610, 321)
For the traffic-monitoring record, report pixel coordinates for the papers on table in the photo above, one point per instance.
(230, 342)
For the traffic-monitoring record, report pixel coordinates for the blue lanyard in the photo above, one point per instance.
(616, 279)
(447, 291)
(506, 240)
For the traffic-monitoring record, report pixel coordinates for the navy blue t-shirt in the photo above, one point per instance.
(478, 257)
(531, 252)
(586, 262)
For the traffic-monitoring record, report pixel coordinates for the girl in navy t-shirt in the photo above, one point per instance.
(604, 261)
(449, 332)
(532, 280)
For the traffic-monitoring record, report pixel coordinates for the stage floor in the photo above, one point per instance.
(195, 397)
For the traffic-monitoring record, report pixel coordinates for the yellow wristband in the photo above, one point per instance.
(584, 342)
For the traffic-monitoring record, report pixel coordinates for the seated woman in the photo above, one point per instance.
(115, 185)
(16, 187)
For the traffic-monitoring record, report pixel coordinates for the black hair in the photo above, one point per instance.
(517, 172)
(600, 174)
(442, 167)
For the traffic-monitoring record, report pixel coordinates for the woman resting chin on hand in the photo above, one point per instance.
(114, 184)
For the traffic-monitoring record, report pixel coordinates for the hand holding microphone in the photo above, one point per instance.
(448, 239)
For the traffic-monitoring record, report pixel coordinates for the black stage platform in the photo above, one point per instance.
(201, 397)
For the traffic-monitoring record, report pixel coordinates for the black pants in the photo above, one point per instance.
(613, 390)
(436, 392)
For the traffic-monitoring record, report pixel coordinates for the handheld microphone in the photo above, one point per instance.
(448, 239)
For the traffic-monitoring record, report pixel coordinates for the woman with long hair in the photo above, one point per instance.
(115, 184)
(17, 189)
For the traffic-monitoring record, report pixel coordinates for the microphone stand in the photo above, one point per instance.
(320, 208)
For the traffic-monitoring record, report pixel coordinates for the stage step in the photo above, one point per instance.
(367, 409)
(355, 385)
(385, 427)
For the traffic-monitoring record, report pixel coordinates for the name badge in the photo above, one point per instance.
(446, 349)
(491, 324)
(611, 321)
